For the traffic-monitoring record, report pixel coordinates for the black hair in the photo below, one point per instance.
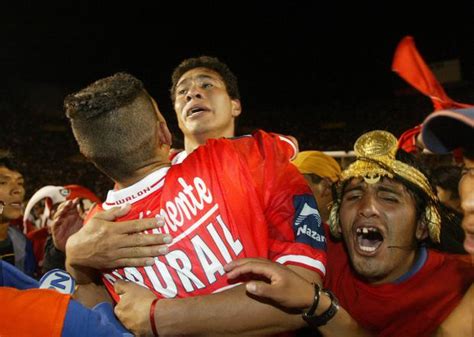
(447, 177)
(208, 62)
(114, 123)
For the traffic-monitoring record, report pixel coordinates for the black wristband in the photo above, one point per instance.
(314, 306)
(317, 321)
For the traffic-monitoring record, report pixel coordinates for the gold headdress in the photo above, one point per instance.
(375, 152)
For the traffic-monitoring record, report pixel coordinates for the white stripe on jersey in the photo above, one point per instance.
(303, 259)
(148, 185)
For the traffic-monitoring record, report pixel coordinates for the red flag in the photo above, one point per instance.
(409, 65)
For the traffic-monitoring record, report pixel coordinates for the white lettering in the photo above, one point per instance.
(305, 230)
(209, 262)
(219, 243)
(132, 274)
(235, 245)
(169, 290)
(183, 269)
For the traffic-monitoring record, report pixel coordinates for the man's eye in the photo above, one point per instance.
(181, 92)
(207, 85)
(389, 198)
(351, 197)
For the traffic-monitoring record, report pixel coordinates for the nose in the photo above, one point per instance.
(17, 189)
(368, 206)
(193, 93)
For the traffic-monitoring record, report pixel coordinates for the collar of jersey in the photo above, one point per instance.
(141, 189)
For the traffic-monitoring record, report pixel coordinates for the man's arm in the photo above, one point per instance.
(228, 313)
(460, 323)
(102, 243)
(292, 291)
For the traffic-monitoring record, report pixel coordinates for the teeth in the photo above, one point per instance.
(367, 249)
(366, 230)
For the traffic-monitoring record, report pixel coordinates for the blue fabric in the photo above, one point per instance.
(30, 260)
(10, 276)
(98, 322)
(422, 256)
(79, 321)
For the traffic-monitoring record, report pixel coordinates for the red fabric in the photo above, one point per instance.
(34, 312)
(413, 308)
(223, 202)
(407, 140)
(409, 65)
(38, 239)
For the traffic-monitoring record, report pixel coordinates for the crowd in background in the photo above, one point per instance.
(44, 145)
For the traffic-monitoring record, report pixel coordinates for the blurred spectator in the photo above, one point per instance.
(50, 197)
(15, 248)
(321, 172)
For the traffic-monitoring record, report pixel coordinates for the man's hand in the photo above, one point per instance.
(103, 243)
(133, 310)
(67, 220)
(284, 286)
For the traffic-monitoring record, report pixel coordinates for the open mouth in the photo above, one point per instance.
(15, 204)
(196, 110)
(368, 239)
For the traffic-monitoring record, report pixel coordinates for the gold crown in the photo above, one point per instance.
(375, 152)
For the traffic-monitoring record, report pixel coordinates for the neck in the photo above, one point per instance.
(140, 173)
(3, 230)
(193, 141)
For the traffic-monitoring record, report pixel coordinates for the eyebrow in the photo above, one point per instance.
(198, 77)
(6, 176)
(357, 187)
(389, 190)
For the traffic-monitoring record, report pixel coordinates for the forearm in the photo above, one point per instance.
(92, 294)
(342, 324)
(82, 274)
(229, 313)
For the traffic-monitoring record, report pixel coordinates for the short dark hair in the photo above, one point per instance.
(447, 177)
(7, 160)
(212, 63)
(114, 123)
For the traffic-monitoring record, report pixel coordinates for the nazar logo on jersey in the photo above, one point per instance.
(307, 222)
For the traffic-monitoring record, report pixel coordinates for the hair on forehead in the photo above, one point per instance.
(208, 62)
(104, 95)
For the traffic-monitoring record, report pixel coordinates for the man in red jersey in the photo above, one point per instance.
(231, 198)
(387, 282)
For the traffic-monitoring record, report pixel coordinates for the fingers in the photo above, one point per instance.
(261, 289)
(113, 213)
(120, 287)
(141, 240)
(233, 264)
(108, 217)
(267, 270)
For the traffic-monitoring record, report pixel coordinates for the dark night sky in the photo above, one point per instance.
(287, 53)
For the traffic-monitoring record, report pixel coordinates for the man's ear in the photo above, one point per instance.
(236, 107)
(421, 230)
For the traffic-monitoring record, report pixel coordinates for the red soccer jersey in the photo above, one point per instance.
(411, 308)
(229, 199)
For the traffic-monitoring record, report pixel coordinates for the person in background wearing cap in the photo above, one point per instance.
(383, 276)
(442, 132)
(50, 198)
(15, 247)
(321, 172)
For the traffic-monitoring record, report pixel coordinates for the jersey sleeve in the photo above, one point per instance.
(296, 234)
